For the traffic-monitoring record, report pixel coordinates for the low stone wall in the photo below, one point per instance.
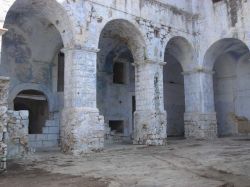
(17, 136)
(50, 134)
(13, 128)
(4, 86)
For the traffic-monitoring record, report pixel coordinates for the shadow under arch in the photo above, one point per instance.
(179, 56)
(223, 46)
(127, 33)
(228, 58)
(121, 45)
(181, 49)
(51, 10)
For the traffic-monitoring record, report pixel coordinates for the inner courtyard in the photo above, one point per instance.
(164, 82)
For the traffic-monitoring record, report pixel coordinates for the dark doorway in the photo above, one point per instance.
(36, 103)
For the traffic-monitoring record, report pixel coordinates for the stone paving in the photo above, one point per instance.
(181, 163)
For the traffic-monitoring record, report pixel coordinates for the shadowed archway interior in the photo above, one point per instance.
(229, 59)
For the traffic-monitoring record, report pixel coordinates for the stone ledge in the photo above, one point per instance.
(3, 78)
(2, 31)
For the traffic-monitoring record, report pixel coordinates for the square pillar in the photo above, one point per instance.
(200, 117)
(82, 128)
(150, 116)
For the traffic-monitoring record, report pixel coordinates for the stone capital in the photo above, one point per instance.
(79, 49)
(150, 61)
(198, 70)
(4, 79)
(2, 31)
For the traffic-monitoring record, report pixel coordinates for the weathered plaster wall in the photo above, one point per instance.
(35, 43)
(232, 95)
(115, 100)
(233, 22)
(29, 57)
(243, 96)
(180, 4)
(147, 16)
(225, 93)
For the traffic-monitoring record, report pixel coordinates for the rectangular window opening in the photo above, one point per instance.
(116, 126)
(119, 73)
(157, 33)
(60, 73)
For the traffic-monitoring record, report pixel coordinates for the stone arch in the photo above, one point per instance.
(228, 59)
(31, 86)
(219, 47)
(182, 50)
(128, 33)
(179, 56)
(52, 10)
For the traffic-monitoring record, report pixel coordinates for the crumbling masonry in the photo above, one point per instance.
(83, 74)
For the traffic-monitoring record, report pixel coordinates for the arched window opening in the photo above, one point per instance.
(60, 72)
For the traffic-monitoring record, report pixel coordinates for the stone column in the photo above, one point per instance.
(150, 116)
(200, 117)
(82, 128)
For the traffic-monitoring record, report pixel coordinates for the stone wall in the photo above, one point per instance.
(13, 128)
(17, 133)
(146, 26)
(4, 85)
(49, 138)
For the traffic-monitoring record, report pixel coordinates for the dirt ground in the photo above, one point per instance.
(181, 163)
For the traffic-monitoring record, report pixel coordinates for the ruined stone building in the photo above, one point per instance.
(80, 74)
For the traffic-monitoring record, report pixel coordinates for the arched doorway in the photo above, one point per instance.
(174, 102)
(116, 97)
(37, 105)
(229, 59)
(178, 53)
